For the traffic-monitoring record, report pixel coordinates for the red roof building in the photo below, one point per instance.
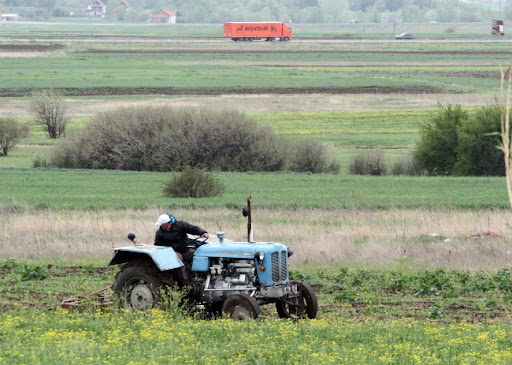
(98, 8)
(164, 16)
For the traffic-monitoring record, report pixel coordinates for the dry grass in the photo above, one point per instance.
(359, 64)
(25, 54)
(478, 240)
(87, 107)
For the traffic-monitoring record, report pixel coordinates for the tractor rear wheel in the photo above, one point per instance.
(297, 306)
(137, 287)
(241, 306)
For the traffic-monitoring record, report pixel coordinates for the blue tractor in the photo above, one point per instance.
(230, 278)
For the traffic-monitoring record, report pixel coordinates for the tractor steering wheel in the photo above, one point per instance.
(198, 242)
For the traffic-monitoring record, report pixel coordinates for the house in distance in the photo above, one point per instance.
(164, 16)
(97, 8)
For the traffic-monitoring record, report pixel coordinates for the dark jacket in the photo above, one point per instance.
(177, 237)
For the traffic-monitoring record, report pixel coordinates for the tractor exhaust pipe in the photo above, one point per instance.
(247, 213)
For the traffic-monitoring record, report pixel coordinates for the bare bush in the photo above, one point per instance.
(311, 156)
(49, 111)
(369, 162)
(406, 166)
(194, 183)
(166, 139)
(11, 132)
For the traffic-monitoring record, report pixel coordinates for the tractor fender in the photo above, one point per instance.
(164, 257)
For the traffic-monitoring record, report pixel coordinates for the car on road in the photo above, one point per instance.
(405, 36)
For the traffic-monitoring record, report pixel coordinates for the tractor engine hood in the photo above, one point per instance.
(238, 250)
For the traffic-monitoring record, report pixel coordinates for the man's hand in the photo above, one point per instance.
(206, 235)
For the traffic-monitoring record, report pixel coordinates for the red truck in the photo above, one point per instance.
(270, 31)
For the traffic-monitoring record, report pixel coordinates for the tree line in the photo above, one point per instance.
(298, 11)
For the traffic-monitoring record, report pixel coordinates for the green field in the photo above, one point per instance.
(100, 189)
(119, 71)
(43, 338)
(370, 317)
(356, 129)
(67, 69)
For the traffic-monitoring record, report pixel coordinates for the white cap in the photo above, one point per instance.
(164, 218)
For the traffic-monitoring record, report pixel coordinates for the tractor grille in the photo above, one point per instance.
(283, 266)
(275, 266)
(278, 271)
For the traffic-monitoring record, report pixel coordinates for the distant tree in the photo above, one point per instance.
(11, 132)
(508, 11)
(356, 5)
(46, 4)
(49, 110)
(477, 154)
(436, 153)
(462, 143)
(393, 5)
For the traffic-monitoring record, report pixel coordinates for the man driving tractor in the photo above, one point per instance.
(173, 233)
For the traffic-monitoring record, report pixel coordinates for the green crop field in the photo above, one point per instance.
(42, 337)
(363, 129)
(117, 71)
(100, 189)
(430, 317)
(66, 69)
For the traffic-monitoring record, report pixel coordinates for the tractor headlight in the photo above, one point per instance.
(290, 251)
(260, 255)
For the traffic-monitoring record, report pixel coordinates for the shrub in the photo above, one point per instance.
(311, 156)
(434, 282)
(478, 138)
(406, 166)
(436, 152)
(503, 280)
(33, 272)
(11, 132)
(49, 111)
(194, 183)
(456, 142)
(369, 162)
(165, 139)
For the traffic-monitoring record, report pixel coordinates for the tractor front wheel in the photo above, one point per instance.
(241, 306)
(137, 288)
(297, 306)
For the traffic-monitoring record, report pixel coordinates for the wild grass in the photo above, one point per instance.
(385, 239)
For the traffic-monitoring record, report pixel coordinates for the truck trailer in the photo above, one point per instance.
(269, 31)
